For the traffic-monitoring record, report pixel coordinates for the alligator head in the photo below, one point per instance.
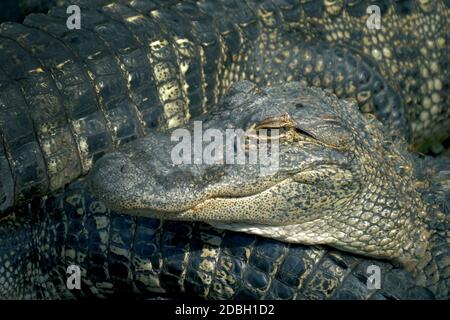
(337, 180)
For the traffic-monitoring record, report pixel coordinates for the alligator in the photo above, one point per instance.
(70, 96)
(17, 10)
(127, 255)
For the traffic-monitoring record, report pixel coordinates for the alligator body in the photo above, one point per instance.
(69, 96)
(120, 254)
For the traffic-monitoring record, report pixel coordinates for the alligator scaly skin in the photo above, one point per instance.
(139, 257)
(124, 255)
(69, 96)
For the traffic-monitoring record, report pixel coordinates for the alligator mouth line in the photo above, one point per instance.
(290, 179)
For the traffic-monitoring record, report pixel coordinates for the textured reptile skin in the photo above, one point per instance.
(123, 255)
(69, 96)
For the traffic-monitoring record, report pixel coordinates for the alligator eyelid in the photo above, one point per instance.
(275, 122)
(304, 133)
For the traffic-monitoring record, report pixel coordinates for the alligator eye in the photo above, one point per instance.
(304, 133)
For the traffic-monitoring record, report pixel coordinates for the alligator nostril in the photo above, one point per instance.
(124, 168)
